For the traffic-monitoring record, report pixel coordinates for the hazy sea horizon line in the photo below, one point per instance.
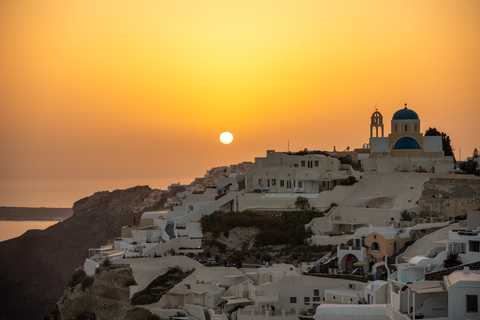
(63, 193)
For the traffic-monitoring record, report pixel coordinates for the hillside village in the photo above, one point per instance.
(390, 232)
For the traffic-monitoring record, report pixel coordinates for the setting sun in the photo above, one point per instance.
(226, 138)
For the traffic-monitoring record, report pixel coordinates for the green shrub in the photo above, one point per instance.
(453, 260)
(406, 216)
(408, 243)
(106, 263)
(144, 298)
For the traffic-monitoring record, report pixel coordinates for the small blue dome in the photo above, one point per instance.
(406, 143)
(405, 114)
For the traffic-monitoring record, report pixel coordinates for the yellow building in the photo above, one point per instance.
(384, 241)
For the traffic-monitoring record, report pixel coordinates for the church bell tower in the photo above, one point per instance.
(377, 122)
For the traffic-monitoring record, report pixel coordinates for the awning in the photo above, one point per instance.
(360, 264)
(426, 287)
(238, 300)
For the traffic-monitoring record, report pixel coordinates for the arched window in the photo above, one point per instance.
(190, 208)
(375, 246)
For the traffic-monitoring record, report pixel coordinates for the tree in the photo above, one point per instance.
(446, 143)
(405, 216)
(470, 167)
(302, 203)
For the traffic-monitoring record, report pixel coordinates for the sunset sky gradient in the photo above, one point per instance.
(142, 89)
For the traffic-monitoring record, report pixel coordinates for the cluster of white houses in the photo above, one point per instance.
(421, 287)
(164, 238)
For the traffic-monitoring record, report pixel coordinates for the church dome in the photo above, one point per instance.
(406, 143)
(405, 114)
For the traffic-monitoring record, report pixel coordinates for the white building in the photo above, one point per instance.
(305, 172)
(274, 182)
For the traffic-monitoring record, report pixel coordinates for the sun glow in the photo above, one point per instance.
(226, 138)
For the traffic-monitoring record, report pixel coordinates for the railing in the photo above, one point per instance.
(268, 313)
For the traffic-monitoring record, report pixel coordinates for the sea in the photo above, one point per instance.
(13, 229)
(60, 193)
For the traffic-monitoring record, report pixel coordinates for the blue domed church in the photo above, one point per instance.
(405, 138)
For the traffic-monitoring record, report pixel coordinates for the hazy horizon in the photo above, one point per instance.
(62, 193)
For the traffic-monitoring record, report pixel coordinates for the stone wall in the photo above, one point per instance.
(438, 276)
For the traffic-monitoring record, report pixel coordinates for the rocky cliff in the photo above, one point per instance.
(449, 196)
(37, 266)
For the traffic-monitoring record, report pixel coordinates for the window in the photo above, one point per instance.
(306, 300)
(475, 246)
(472, 303)
(317, 163)
(375, 246)
(267, 182)
(289, 184)
(316, 293)
(396, 128)
(299, 184)
(374, 237)
(316, 299)
(260, 182)
(303, 163)
(282, 183)
(405, 127)
(310, 164)
(293, 299)
(274, 182)
(415, 127)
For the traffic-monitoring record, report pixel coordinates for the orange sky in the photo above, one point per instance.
(143, 89)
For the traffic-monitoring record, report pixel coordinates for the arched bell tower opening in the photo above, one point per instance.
(377, 122)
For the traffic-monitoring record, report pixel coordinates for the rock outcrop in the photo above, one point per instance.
(37, 266)
(108, 297)
(449, 196)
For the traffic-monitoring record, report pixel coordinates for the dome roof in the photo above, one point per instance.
(405, 114)
(406, 143)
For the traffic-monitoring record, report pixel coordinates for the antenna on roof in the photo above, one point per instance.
(288, 145)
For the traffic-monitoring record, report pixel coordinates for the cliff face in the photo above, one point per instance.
(450, 196)
(37, 266)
